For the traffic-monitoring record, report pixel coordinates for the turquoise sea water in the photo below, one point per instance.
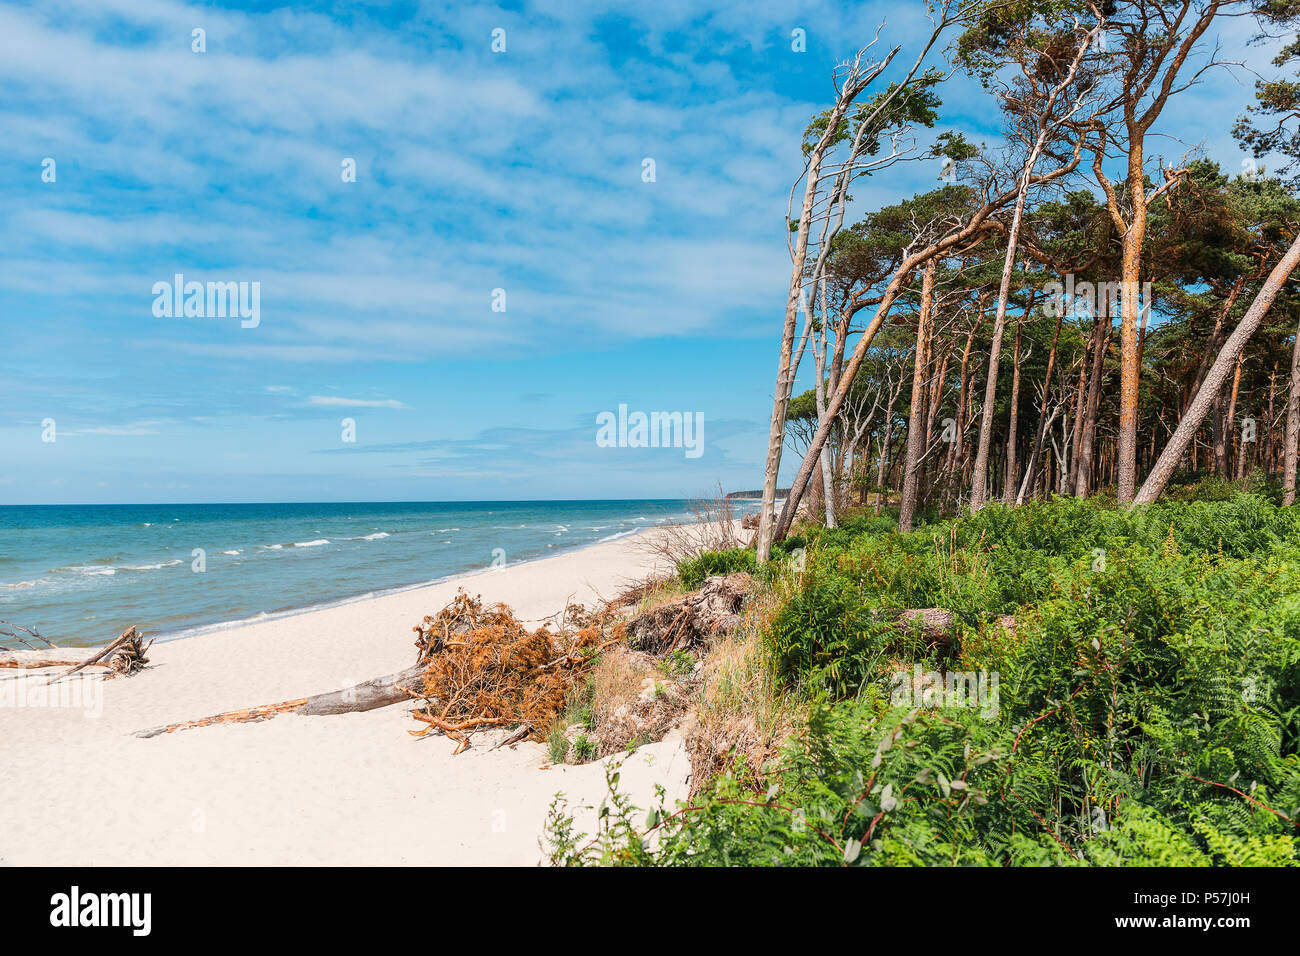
(83, 573)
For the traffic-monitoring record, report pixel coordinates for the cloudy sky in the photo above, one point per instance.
(476, 171)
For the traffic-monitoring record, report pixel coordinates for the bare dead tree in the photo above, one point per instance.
(851, 80)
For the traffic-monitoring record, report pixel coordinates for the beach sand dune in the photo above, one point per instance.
(76, 788)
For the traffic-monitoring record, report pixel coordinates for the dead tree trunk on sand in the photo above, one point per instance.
(368, 695)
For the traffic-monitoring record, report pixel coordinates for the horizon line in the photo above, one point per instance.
(394, 501)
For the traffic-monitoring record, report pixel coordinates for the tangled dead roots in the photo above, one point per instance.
(486, 669)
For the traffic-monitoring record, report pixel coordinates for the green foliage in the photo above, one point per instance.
(617, 841)
(678, 663)
(1146, 712)
(915, 104)
(1270, 125)
(557, 745)
(584, 748)
(692, 571)
(824, 638)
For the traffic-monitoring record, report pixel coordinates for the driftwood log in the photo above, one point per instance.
(124, 655)
(939, 626)
(693, 619)
(56, 657)
(454, 621)
(10, 630)
(127, 645)
(367, 695)
(522, 731)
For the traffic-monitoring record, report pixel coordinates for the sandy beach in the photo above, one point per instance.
(76, 788)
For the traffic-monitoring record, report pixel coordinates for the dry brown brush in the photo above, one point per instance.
(485, 668)
(714, 528)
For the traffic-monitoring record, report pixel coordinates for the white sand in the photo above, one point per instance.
(77, 789)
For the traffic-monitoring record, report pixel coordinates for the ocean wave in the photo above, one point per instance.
(110, 569)
(23, 585)
(70, 594)
(619, 534)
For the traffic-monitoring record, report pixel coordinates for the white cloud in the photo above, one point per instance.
(534, 158)
(120, 431)
(354, 402)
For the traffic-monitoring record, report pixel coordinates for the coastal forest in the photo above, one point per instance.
(1024, 584)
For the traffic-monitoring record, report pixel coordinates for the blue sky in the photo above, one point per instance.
(476, 171)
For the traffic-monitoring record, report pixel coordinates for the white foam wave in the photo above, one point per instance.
(620, 534)
(23, 585)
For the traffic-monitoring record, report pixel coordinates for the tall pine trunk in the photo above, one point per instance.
(1013, 472)
(916, 418)
(1291, 440)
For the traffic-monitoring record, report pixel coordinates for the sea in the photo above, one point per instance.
(81, 574)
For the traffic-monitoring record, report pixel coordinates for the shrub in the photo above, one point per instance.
(693, 571)
(1148, 709)
(825, 639)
